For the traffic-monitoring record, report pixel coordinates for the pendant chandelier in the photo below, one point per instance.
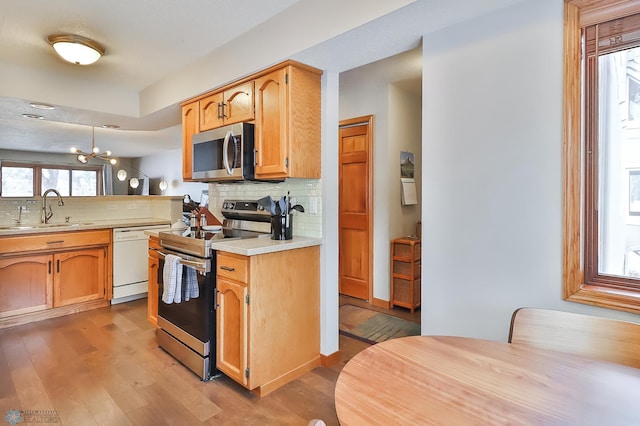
(84, 157)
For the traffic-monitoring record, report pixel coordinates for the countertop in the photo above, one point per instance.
(26, 229)
(263, 245)
(255, 246)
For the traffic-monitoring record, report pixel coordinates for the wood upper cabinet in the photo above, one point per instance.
(25, 284)
(284, 104)
(230, 106)
(268, 316)
(79, 276)
(190, 126)
(287, 139)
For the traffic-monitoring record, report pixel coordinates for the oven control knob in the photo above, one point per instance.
(260, 207)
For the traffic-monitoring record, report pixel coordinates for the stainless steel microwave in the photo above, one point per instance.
(224, 154)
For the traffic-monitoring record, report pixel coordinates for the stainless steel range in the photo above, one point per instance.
(187, 329)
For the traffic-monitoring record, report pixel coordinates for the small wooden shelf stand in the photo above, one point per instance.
(405, 273)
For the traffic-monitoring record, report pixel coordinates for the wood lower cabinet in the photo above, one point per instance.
(52, 274)
(79, 276)
(232, 338)
(26, 284)
(152, 292)
(268, 317)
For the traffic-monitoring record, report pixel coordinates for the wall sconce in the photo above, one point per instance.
(134, 182)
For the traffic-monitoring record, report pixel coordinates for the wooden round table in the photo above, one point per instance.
(457, 380)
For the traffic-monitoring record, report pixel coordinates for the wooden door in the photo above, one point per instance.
(232, 336)
(79, 276)
(271, 137)
(238, 104)
(355, 207)
(25, 284)
(190, 126)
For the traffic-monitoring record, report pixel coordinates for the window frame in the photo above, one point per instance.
(37, 174)
(577, 15)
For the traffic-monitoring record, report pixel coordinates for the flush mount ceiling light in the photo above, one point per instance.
(39, 105)
(84, 157)
(34, 116)
(76, 49)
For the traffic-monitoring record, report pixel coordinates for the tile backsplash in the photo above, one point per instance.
(306, 192)
(28, 211)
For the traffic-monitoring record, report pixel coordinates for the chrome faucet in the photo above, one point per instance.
(47, 215)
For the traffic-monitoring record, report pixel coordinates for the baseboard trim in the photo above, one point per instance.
(286, 378)
(52, 313)
(329, 360)
(379, 303)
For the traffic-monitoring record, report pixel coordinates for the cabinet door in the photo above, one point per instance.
(238, 104)
(79, 276)
(190, 126)
(231, 106)
(152, 295)
(152, 292)
(211, 114)
(232, 338)
(25, 284)
(271, 136)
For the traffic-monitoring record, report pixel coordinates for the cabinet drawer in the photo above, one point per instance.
(233, 267)
(54, 241)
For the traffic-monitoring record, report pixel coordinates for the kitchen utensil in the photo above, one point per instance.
(298, 208)
(268, 204)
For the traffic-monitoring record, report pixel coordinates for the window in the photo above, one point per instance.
(28, 180)
(602, 153)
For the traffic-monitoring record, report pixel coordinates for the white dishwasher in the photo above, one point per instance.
(130, 262)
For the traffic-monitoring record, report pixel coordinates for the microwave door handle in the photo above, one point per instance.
(225, 150)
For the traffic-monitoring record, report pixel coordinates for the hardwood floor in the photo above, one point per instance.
(103, 367)
(397, 311)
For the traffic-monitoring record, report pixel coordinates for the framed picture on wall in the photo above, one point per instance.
(406, 164)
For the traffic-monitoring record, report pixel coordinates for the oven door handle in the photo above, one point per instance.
(198, 265)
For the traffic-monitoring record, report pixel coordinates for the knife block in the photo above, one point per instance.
(282, 227)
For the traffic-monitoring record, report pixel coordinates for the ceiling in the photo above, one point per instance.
(161, 53)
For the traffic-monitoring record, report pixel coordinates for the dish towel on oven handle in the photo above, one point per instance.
(190, 283)
(172, 279)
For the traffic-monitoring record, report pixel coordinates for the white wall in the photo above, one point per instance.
(492, 155)
(367, 90)
(405, 134)
(168, 164)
